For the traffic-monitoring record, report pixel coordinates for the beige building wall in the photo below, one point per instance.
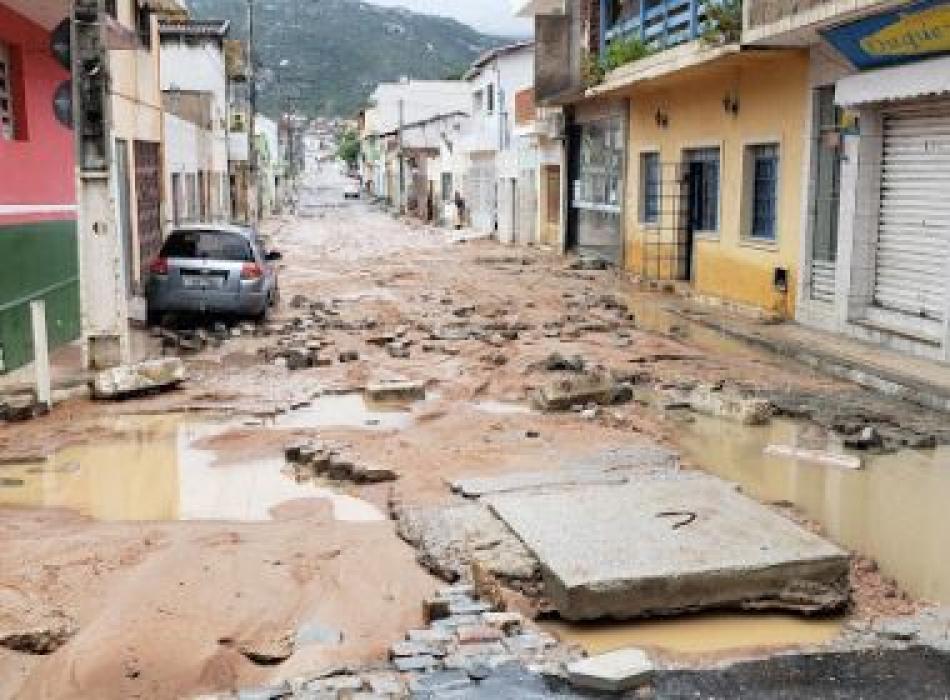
(772, 91)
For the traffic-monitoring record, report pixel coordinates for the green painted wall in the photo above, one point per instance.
(37, 260)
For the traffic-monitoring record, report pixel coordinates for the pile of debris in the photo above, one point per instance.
(467, 647)
(192, 340)
(312, 459)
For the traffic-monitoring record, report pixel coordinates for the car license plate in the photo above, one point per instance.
(202, 282)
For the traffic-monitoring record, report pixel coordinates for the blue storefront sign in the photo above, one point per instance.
(909, 33)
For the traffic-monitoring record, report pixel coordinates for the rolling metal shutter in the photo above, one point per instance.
(913, 245)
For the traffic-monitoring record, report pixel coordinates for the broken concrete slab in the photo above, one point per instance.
(129, 381)
(731, 404)
(475, 487)
(666, 546)
(613, 672)
(451, 539)
(396, 390)
(581, 390)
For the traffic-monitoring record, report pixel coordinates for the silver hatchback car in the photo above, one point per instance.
(215, 269)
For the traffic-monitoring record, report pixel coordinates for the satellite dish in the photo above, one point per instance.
(63, 104)
(61, 44)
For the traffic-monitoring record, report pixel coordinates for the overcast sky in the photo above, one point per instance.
(489, 16)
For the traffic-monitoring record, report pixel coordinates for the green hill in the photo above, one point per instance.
(337, 51)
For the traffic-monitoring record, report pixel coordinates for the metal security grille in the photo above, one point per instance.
(148, 197)
(913, 247)
(668, 241)
(764, 185)
(6, 95)
(826, 154)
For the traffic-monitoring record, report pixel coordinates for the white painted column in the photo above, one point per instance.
(41, 368)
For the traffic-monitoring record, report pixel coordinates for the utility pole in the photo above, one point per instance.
(252, 195)
(104, 314)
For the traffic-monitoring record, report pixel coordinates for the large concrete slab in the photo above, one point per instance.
(664, 546)
(476, 486)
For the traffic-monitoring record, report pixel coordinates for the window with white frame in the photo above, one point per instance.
(762, 190)
(650, 188)
(7, 127)
(490, 98)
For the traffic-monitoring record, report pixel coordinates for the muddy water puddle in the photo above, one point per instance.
(503, 408)
(894, 510)
(699, 634)
(652, 314)
(153, 471)
(349, 411)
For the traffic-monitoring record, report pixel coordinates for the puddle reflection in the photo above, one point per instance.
(155, 473)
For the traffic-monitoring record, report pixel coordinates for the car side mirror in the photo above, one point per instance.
(274, 256)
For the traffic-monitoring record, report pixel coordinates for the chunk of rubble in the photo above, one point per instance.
(29, 626)
(581, 391)
(614, 672)
(323, 460)
(666, 546)
(451, 539)
(730, 404)
(268, 649)
(396, 390)
(129, 381)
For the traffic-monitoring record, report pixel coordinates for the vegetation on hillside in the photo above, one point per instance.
(325, 57)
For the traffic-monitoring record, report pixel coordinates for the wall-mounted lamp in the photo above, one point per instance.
(730, 103)
(662, 119)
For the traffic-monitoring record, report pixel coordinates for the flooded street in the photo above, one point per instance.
(174, 531)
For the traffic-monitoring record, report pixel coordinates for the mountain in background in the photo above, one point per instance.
(337, 51)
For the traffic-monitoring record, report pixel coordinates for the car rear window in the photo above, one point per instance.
(208, 245)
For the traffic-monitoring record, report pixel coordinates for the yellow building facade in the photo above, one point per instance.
(747, 114)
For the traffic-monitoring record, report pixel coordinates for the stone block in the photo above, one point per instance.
(613, 672)
(128, 381)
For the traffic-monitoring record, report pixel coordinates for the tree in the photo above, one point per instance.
(349, 148)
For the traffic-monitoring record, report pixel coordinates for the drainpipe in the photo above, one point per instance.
(602, 28)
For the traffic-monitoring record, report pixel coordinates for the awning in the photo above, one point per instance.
(921, 79)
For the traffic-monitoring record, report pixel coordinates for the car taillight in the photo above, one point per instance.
(159, 266)
(251, 271)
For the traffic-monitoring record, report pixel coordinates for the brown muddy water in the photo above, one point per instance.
(699, 634)
(894, 510)
(153, 471)
(348, 411)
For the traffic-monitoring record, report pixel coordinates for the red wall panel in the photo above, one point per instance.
(40, 169)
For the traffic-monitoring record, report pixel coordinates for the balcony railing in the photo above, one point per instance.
(659, 24)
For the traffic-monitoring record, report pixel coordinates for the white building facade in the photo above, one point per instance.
(501, 185)
(875, 247)
(395, 105)
(195, 100)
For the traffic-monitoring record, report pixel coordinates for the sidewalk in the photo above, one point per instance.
(66, 368)
(918, 380)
